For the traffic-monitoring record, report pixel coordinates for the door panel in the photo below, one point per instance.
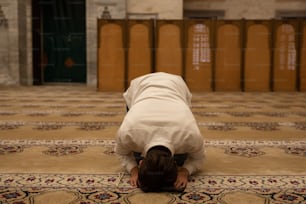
(257, 57)
(284, 70)
(140, 43)
(198, 64)
(64, 47)
(169, 56)
(303, 58)
(111, 56)
(228, 57)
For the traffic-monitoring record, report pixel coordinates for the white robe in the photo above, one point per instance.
(159, 114)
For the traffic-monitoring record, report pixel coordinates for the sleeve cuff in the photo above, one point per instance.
(190, 169)
(130, 166)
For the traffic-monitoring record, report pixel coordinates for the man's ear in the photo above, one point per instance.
(140, 162)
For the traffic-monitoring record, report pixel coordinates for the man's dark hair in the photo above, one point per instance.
(158, 171)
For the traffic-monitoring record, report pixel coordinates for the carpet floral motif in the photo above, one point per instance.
(298, 151)
(244, 151)
(9, 126)
(10, 149)
(70, 147)
(225, 127)
(97, 125)
(300, 125)
(24, 188)
(48, 126)
(64, 150)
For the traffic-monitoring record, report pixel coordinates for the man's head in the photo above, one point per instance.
(158, 170)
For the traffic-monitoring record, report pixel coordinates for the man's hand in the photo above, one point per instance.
(134, 176)
(182, 179)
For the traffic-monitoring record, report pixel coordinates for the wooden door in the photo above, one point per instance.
(111, 55)
(169, 46)
(140, 44)
(303, 57)
(228, 56)
(198, 63)
(285, 56)
(257, 55)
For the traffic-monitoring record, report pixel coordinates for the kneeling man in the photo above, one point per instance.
(159, 142)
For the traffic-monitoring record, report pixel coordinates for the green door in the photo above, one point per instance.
(64, 41)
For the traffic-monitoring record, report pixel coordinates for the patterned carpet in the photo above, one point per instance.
(56, 146)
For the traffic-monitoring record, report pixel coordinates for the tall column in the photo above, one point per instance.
(4, 50)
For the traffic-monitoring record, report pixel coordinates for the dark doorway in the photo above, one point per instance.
(59, 41)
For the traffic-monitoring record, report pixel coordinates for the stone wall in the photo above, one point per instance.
(25, 42)
(10, 70)
(163, 9)
(4, 50)
(248, 9)
(17, 69)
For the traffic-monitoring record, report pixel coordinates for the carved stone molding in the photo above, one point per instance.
(3, 20)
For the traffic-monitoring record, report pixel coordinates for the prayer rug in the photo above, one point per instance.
(57, 146)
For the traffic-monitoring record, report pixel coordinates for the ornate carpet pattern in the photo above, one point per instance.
(56, 146)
